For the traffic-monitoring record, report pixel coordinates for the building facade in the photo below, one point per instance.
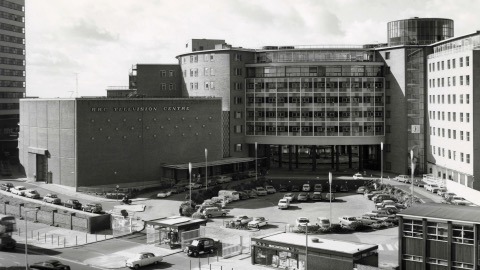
(12, 72)
(439, 236)
(117, 141)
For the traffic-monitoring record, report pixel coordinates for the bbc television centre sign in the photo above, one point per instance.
(140, 109)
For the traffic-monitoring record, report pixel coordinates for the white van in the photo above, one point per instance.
(233, 194)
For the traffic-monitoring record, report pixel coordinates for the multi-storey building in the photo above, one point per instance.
(453, 70)
(439, 236)
(12, 72)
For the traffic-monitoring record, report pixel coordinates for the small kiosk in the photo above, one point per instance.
(173, 231)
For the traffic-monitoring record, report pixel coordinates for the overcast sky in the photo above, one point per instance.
(101, 39)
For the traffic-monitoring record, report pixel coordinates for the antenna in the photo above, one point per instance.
(76, 81)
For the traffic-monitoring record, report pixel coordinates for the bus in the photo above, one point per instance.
(8, 224)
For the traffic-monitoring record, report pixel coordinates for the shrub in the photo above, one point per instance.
(358, 226)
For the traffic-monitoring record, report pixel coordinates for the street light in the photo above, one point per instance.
(381, 162)
(206, 170)
(26, 236)
(190, 181)
(413, 169)
(256, 166)
(330, 195)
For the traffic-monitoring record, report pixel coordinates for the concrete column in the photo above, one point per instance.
(296, 156)
(400, 244)
(337, 155)
(349, 150)
(5, 207)
(279, 156)
(289, 157)
(53, 217)
(71, 220)
(475, 243)
(424, 243)
(20, 205)
(360, 158)
(314, 157)
(268, 152)
(332, 155)
(449, 245)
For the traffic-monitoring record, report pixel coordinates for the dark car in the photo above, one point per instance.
(74, 204)
(199, 246)
(177, 189)
(92, 207)
(295, 188)
(243, 195)
(50, 265)
(6, 186)
(317, 196)
(343, 188)
(282, 188)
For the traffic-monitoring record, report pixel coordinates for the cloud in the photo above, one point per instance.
(87, 30)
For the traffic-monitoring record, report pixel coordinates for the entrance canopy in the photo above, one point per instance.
(178, 223)
(184, 166)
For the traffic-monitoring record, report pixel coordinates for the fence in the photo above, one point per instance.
(235, 245)
(188, 236)
(125, 225)
(53, 240)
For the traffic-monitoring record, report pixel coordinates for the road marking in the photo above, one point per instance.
(390, 247)
(380, 247)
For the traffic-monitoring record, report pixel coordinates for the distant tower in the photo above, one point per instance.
(419, 31)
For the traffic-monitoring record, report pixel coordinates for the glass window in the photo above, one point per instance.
(462, 233)
(467, 80)
(467, 98)
(453, 63)
(461, 61)
(437, 231)
(412, 228)
(467, 61)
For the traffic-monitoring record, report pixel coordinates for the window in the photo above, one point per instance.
(387, 55)
(462, 233)
(170, 73)
(433, 66)
(468, 158)
(461, 117)
(467, 117)
(443, 132)
(437, 261)
(449, 154)
(238, 147)
(448, 64)
(461, 61)
(195, 58)
(461, 157)
(238, 115)
(212, 85)
(211, 58)
(238, 129)
(448, 98)
(449, 116)
(191, 72)
(238, 57)
(438, 65)
(237, 100)
(461, 99)
(454, 101)
(461, 80)
(207, 71)
(191, 58)
(207, 85)
(467, 98)
(412, 228)
(437, 231)
(462, 265)
(195, 72)
(443, 82)
(449, 131)
(443, 99)
(453, 63)
(443, 65)
(454, 81)
(206, 57)
(461, 135)
(212, 72)
(467, 136)
(163, 73)
(454, 134)
(237, 86)
(412, 258)
(171, 86)
(196, 86)
(237, 71)
(467, 61)
(163, 86)
(467, 80)
(443, 116)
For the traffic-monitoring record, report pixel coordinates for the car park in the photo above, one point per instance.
(358, 176)
(92, 207)
(32, 193)
(260, 191)
(142, 259)
(317, 196)
(6, 186)
(381, 197)
(289, 196)
(243, 219)
(71, 203)
(18, 190)
(50, 265)
(232, 194)
(368, 220)
(258, 222)
(214, 212)
(361, 190)
(302, 197)
(347, 220)
(318, 187)
(223, 179)
(199, 246)
(432, 188)
(302, 221)
(283, 204)
(306, 187)
(419, 183)
(382, 212)
(164, 194)
(402, 178)
(295, 188)
(270, 189)
(323, 222)
(52, 198)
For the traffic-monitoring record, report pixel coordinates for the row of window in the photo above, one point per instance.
(9, 106)
(10, 16)
(163, 73)
(451, 154)
(438, 231)
(451, 81)
(12, 28)
(209, 58)
(307, 100)
(12, 72)
(451, 116)
(451, 133)
(12, 84)
(451, 99)
(171, 86)
(12, 39)
(11, 95)
(12, 61)
(11, 5)
(315, 71)
(451, 63)
(12, 50)
(206, 86)
(310, 114)
(291, 128)
(194, 72)
(317, 85)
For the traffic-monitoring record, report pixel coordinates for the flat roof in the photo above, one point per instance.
(176, 221)
(323, 244)
(459, 213)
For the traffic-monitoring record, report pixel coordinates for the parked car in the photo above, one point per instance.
(441, 191)
(251, 173)
(270, 189)
(302, 197)
(258, 222)
(447, 195)
(74, 204)
(92, 207)
(199, 246)
(344, 188)
(283, 204)
(381, 197)
(164, 194)
(347, 220)
(402, 178)
(52, 198)
(323, 222)
(251, 193)
(330, 196)
(260, 191)
(243, 219)
(295, 188)
(289, 196)
(142, 259)
(177, 189)
(358, 176)
(392, 209)
(302, 221)
(50, 264)
(214, 212)
(371, 194)
(18, 190)
(382, 212)
(193, 186)
(32, 193)
(306, 187)
(432, 188)
(243, 195)
(457, 200)
(419, 183)
(368, 220)
(282, 188)
(317, 196)
(318, 187)
(6, 186)
(361, 190)
(223, 179)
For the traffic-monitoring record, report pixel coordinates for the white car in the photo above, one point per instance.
(306, 187)
(402, 178)
(346, 221)
(358, 176)
(323, 222)
(459, 200)
(290, 197)
(283, 204)
(432, 188)
(143, 259)
(302, 221)
(224, 179)
(164, 194)
(19, 190)
(258, 222)
(260, 191)
(270, 189)
(32, 193)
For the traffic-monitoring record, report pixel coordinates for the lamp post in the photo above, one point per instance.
(413, 169)
(190, 181)
(256, 166)
(206, 169)
(26, 237)
(381, 162)
(330, 195)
